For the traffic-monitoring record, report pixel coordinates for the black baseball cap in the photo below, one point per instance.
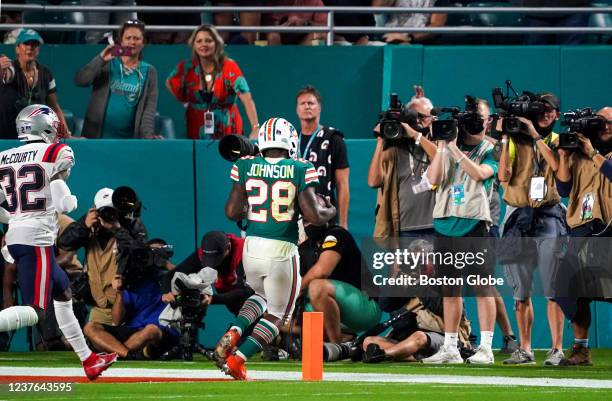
(550, 99)
(214, 244)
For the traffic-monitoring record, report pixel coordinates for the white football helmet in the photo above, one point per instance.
(278, 133)
(37, 122)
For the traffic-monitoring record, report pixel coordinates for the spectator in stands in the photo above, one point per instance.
(123, 102)
(344, 19)
(414, 337)
(324, 147)
(210, 83)
(412, 20)
(464, 175)
(105, 17)
(529, 160)
(178, 19)
(396, 169)
(332, 284)
(245, 19)
(10, 17)
(135, 313)
(223, 253)
(585, 177)
(294, 19)
(555, 20)
(107, 245)
(24, 81)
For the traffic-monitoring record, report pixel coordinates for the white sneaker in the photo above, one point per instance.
(554, 357)
(445, 355)
(483, 356)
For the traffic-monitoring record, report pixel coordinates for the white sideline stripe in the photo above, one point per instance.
(330, 376)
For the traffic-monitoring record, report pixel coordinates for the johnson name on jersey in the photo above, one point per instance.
(25, 176)
(272, 188)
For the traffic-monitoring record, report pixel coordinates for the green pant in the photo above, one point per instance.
(358, 313)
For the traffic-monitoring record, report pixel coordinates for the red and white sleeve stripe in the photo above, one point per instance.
(311, 176)
(234, 175)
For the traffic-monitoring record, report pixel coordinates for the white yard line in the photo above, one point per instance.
(330, 376)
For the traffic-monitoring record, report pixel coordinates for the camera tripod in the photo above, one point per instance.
(188, 343)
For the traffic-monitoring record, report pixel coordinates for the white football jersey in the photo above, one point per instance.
(25, 177)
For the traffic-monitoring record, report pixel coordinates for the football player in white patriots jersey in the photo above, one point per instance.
(32, 181)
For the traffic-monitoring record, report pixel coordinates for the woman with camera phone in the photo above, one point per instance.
(123, 101)
(210, 83)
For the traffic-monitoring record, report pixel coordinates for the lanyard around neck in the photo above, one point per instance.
(312, 137)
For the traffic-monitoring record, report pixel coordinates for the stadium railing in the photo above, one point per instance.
(475, 15)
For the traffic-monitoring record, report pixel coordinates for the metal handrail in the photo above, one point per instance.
(325, 9)
(329, 30)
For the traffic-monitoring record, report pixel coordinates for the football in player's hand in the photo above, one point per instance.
(322, 201)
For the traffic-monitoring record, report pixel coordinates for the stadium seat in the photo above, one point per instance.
(75, 17)
(164, 126)
(69, 116)
(601, 20)
(462, 19)
(497, 20)
(41, 17)
(78, 126)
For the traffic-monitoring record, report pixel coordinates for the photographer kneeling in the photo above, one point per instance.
(464, 175)
(585, 177)
(107, 232)
(137, 306)
(332, 282)
(223, 253)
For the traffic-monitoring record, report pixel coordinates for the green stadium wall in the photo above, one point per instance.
(184, 184)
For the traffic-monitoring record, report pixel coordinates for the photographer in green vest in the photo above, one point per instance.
(462, 174)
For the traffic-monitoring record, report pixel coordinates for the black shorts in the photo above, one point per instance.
(121, 333)
(475, 242)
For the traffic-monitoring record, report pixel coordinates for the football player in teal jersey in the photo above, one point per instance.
(270, 191)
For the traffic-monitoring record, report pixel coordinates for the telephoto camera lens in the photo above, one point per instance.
(233, 147)
(333, 352)
(392, 130)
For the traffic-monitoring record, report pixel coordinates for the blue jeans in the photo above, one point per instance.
(534, 232)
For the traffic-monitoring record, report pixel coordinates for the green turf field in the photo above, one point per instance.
(312, 391)
(327, 390)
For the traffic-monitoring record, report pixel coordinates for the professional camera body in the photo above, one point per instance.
(190, 302)
(582, 121)
(146, 263)
(525, 105)
(192, 310)
(125, 204)
(467, 122)
(391, 120)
